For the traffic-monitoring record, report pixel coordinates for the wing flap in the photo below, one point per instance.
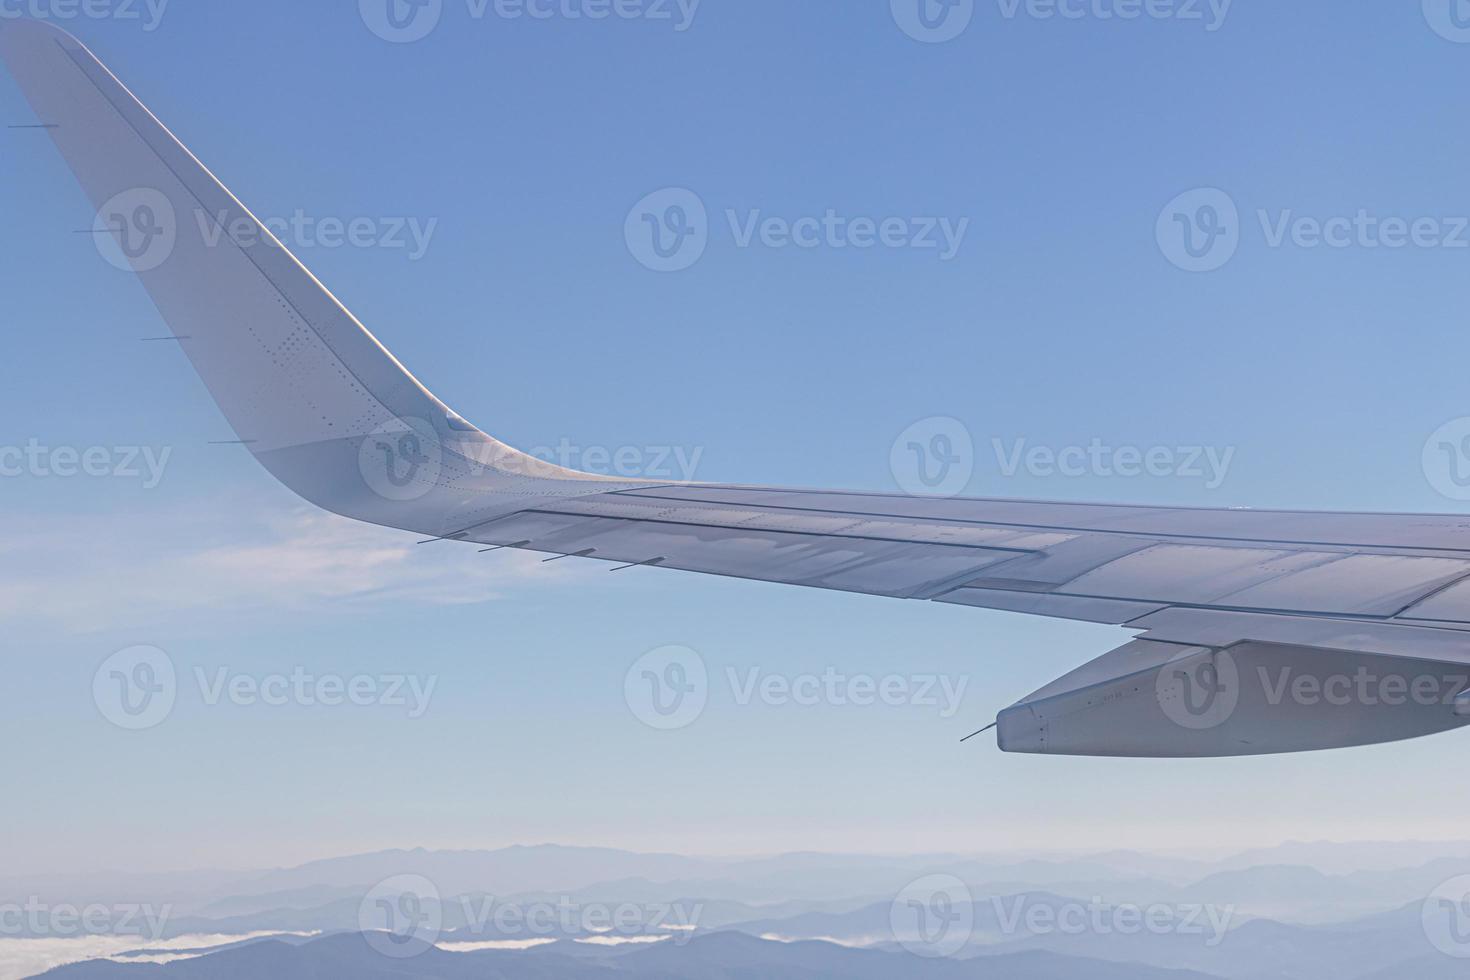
(1111, 612)
(875, 567)
(1221, 629)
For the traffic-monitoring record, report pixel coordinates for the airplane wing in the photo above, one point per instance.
(1257, 631)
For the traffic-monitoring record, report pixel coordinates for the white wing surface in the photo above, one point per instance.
(1258, 631)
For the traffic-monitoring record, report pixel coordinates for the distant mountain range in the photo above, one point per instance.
(716, 957)
(1350, 914)
(1376, 877)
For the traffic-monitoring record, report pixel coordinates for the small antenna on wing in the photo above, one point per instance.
(588, 552)
(641, 564)
(499, 547)
(980, 732)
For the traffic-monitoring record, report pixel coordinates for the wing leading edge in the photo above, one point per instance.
(1255, 610)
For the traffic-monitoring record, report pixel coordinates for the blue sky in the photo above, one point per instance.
(1062, 319)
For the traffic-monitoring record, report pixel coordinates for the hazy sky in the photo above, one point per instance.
(1057, 314)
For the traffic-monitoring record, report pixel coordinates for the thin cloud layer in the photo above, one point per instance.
(123, 570)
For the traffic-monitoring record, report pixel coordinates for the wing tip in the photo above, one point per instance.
(37, 30)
